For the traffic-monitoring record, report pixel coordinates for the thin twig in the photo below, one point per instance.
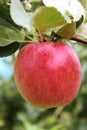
(27, 41)
(78, 40)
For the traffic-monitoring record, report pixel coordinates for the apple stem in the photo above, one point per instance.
(41, 37)
(78, 40)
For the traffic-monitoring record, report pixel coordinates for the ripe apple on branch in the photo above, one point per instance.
(47, 70)
(48, 75)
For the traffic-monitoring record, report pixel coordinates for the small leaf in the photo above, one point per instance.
(80, 21)
(5, 18)
(9, 49)
(8, 36)
(19, 15)
(53, 34)
(48, 17)
(4, 23)
(67, 31)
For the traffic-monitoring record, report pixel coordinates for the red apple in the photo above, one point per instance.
(48, 75)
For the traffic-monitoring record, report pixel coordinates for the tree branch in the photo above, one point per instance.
(78, 40)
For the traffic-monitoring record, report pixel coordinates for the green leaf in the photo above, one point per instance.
(5, 23)
(20, 16)
(48, 17)
(8, 36)
(5, 18)
(53, 34)
(9, 49)
(80, 21)
(67, 31)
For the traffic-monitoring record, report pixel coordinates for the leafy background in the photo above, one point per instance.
(16, 114)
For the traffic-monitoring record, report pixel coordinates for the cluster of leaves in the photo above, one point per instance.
(18, 26)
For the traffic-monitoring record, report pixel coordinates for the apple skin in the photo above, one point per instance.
(48, 75)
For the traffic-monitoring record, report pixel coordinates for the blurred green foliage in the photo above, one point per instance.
(17, 114)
